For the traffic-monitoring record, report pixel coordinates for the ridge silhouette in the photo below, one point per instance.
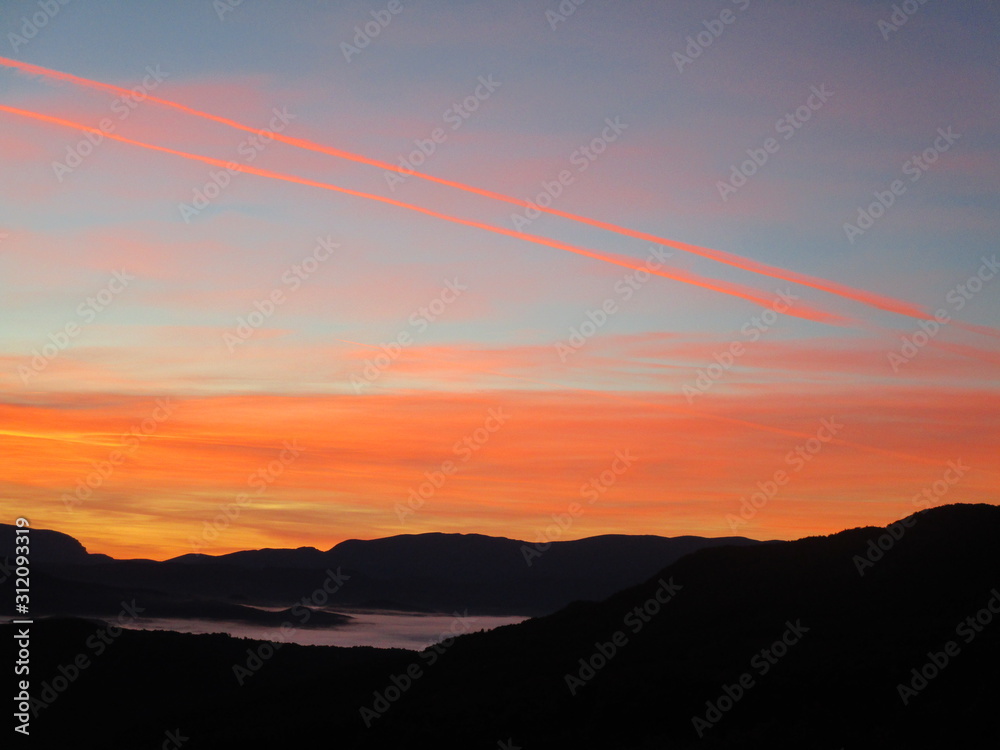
(852, 640)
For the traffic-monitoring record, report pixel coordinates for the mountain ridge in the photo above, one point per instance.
(785, 646)
(432, 572)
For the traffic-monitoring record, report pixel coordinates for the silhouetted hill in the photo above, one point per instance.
(48, 547)
(422, 572)
(302, 557)
(788, 645)
(54, 596)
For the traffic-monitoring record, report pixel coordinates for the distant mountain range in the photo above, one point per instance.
(869, 638)
(421, 572)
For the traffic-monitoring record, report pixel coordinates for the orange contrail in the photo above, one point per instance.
(735, 290)
(871, 299)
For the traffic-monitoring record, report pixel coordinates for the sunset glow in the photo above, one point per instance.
(220, 331)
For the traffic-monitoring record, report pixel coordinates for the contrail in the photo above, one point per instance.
(871, 299)
(735, 290)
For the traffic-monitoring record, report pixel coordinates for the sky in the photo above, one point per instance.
(763, 300)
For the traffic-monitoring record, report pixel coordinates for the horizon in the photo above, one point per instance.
(494, 374)
(219, 553)
(462, 269)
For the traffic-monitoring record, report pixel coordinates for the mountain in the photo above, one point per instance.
(413, 572)
(869, 638)
(48, 547)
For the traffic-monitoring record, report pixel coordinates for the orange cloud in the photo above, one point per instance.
(360, 458)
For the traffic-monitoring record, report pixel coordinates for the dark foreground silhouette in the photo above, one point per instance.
(866, 638)
(410, 572)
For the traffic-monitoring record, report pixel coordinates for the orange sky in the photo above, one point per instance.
(328, 332)
(359, 457)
